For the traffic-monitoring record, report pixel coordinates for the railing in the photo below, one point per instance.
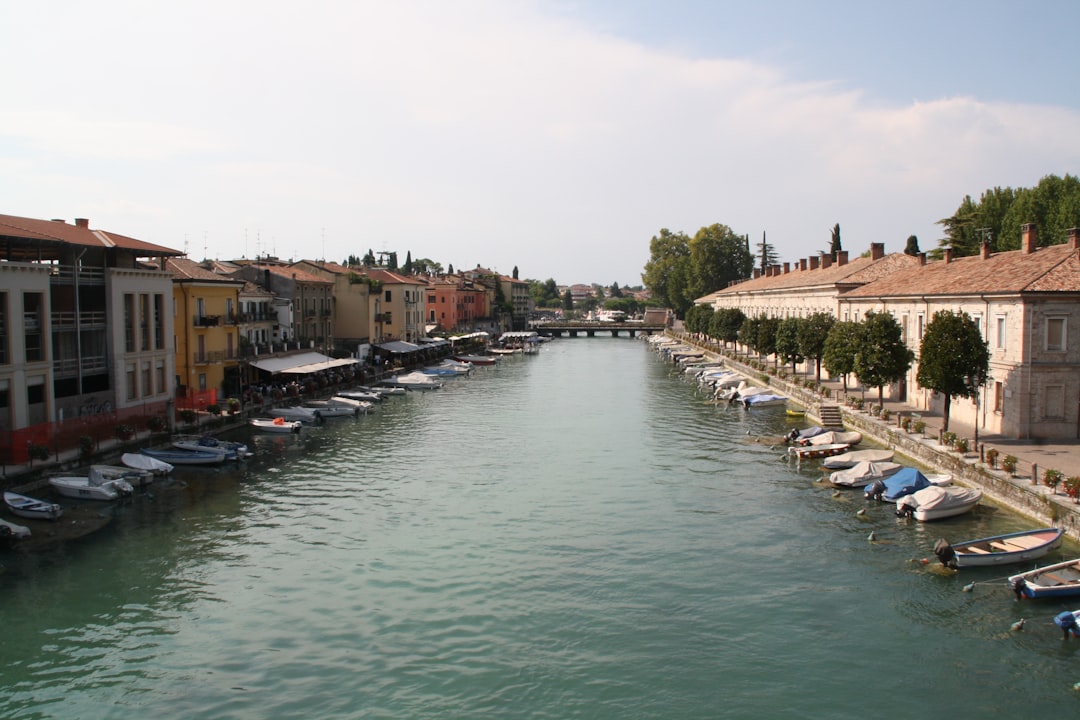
(65, 273)
(206, 320)
(66, 319)
(213, 357)
(69, 367)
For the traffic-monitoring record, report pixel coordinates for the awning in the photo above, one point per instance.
(300, 364)
(398, 346)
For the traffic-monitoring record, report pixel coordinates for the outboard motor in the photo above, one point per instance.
(792, 436)
(904, 510)
(876, 490)
(1018, 588)
(945, 553)
(1067, 622)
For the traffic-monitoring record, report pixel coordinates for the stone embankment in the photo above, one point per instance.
(1021, 493)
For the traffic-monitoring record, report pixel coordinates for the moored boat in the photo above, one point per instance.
(1053, 581)
(13, 531)
(477, 359)
(304, 415)
(854, 457)
(413, 381)
(331, 409)
(849, 437)
(137, 478)
(138, 461)
(811, 452)
(905, 481)
(999, 549)
(863, 473)
(80, 487)
(228, 449)
(176, 456)
(31, 508)
(276, 425)
(937, 502)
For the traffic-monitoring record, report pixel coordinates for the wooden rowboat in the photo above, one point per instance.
(1053, 581)
(999, 549)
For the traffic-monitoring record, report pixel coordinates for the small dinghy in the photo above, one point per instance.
(139, 461)
(999, 549)
(1053, 581)
(176, 456)
(846, 437)
(228, 449)
(82, 488)
(937, 502)
(811, 452)
(137, 478)
(13, 531)
(853, 457)
(276, 425)
(31, 508)
(863, 473)
(905, 481)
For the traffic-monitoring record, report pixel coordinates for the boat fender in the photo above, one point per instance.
(1067, 622)
(945, 553)
(279, 421)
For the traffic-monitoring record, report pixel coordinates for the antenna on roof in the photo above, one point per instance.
(204, 245)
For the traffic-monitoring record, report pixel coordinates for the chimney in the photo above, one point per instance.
(757, 273)
(877, 251)
(82, 222)
(59, 220)
(1029, 237)
(826, 261)
(1074, 238)
(985, 249)
(841, 257)
(787, 268)
(802, 264)
(922, 258)
(814, 262)
(948, 255)
(776, 269)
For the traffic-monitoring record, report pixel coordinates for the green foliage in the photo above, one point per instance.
(567, 300)
(698, 318)
(912, 247)
(725, 324)
(38, 452)
(834, 242)
(787, 341)
(1052, 478)
(666, 270)
(545, 294)
(813, 332)
(953, 359)
(189, 416)
(882, 357)
(766, 335)
(1008, 464)
(748, 332)
(766, 254)
(841, 344)
(124, 432)
(615, 291)
(681, 270)
(991, 457)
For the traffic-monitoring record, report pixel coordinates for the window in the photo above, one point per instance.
(33, 326)
(922, 325)
(159, 370)
(129, 322)
(999, 398)
(387, 296)
(202, 381)
(147, 387)
(3, 329)
(144, 321)
(1055, 334)
(978, 323)
(1055, 402)
(129, 379)
(999, 336)
(903, 328)
(159, 322)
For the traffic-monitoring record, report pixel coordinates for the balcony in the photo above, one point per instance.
(213, 357)
(91, 365)
(206, 320)
(66, 319)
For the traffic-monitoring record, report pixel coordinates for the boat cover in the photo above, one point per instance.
(936, 497)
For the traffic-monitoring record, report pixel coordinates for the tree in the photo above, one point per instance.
(567, 300)
(515, 273)
(615, 291)
(953, 359)
(766, 254)
(787, 341)
(725, 324)
(766, 336)
(369, 259)
(426, 266)
(698, 318)
(748, 333)
(912, 247)
(834, 243)
(841, 344)
(450, 269)
(813, 332)
(666, 270)
(717, 256)
(882, 357)
(407, 268)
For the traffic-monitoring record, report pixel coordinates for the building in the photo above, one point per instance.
(354, 309)
(516, 292)
(206, 309)
(85, 329)
(399, 306)
(303, 302)
(454, 304)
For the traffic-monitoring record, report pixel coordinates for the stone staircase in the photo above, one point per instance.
(830, 415)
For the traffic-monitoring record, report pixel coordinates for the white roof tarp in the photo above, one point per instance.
(398, 346)
(300, 364)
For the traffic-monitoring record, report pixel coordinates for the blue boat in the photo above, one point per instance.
(904, 481)
(177, 456)
(1053, 581)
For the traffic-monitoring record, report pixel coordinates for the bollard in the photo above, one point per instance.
(1034, 474)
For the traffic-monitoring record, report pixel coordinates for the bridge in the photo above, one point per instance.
(589, 328)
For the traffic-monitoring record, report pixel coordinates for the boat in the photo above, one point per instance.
(763, 400)
(330, 409)
(276, 425)
(999, 549)
(812, 452)
(176, 456)
(358, 406)
(371, 396)
(853, 457)
(904, 481)
(80, 486)
(31, 508)
(937, 502)
(139, 461)
(137, 478)
(477, 359)
(797, 436)
(863, 473)
(13, 531)
(1053, 581)
(229, 449)
(304, 415)
(829, 437)
(413, 381)
(795, 413)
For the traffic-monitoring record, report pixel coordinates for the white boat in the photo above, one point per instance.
(863, 473)
(304, 415)
(31, 508)
(835, 436)
(276, 425)
(79, 486)
(139, 461)
(763, 400)
(137, 478)
(370, 396)
(13, 531)
(1005, 549)
(359, 406)
(853, 457)
(228, 449)
(381, 390)
(413, 381)
(176, 456)
(937, 502)
(330, 408)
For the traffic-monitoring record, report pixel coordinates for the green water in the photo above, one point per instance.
(572, 535)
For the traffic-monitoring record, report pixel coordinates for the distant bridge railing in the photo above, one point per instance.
(589, 328)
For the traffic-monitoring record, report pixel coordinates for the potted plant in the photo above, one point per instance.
(1008, 464)
(919, 426)
(991, 457)
(124, 432)
(1072, 487)
(86, 446)
(38, 452)
(905, 424)
(213, 409)
(155, 423)
(233, 404)
(1052, 478)
(960, 445)
(885, 414)
(188, 416)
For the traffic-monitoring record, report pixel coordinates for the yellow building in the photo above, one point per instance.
(205, 319)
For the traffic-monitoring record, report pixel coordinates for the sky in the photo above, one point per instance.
(553, 137)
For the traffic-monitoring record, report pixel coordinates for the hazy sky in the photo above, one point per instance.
(557, 137)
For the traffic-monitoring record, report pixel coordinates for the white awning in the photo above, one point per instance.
(301, 363)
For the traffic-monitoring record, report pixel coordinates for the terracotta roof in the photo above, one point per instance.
(856, 272)
(1049, 269)
(187, 269)
(58, 231)
(293, 274)
(392, 278)
(332, 267)
(251, 288)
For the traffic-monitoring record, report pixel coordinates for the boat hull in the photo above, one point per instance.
(32, 508)
(1006, 549)
(184, 457)
(1053, 581)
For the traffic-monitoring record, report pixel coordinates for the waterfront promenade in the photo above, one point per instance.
(1023, 490)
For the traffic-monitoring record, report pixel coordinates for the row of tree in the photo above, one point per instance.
(953, 357)
(1053, 205)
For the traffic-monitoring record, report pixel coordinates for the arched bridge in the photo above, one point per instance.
(589, 328)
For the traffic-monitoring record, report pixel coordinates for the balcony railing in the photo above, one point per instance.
(64, 274)
(206, 320)
(66, 319)
(91, 365)
(213, 357)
